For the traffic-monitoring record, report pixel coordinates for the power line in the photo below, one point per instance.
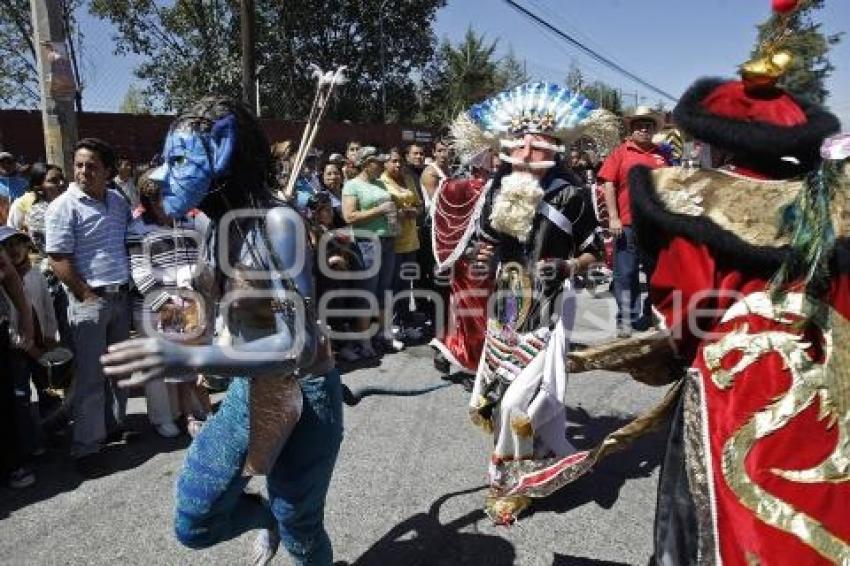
(587, 50)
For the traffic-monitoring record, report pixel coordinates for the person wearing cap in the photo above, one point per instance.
(638, 149)
(86, 228)
(23, 359)
(336, 159)
(12, 184)
(15, 319)
(752, 280)
(368, 207)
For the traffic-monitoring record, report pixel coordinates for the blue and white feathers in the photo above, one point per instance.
(538, 108)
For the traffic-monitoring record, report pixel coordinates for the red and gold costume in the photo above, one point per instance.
(758, 463)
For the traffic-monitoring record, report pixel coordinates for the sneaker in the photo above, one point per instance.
(624, 332)
(167, 430)
(348, 353)
(21, 478)
(389, 344)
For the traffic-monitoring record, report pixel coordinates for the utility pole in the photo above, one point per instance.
(57, 104)
(249, 90)
(383, 67)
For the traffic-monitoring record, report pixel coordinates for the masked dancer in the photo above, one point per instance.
(282, 416)
(536, 228)
(753, 282)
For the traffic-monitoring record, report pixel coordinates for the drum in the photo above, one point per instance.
(59, 364)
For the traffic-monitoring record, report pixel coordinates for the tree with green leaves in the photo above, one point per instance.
(464, 74)
(18, 59)
(510, 72)
(134, 102)
(191, 49)
(575, 78)
(604, 95)
(808, 46)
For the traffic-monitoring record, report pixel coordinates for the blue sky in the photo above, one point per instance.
(667, 42)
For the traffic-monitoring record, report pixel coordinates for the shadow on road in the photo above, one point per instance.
(56, 473)
(564, 560)
(602, 484)
(422, 540)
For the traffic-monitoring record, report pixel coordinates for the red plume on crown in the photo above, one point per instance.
(784, 6)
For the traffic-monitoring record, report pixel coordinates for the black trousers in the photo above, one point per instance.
(10, 453)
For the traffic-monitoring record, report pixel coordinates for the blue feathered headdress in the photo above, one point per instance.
(538, 108)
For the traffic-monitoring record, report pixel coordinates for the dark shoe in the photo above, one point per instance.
(468, 382)
(91, 466)
(442, 365)
(21, 478)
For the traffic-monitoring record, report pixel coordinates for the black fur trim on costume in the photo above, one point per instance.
(759, 145)
(656, 226)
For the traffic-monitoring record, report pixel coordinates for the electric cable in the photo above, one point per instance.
(590, 52)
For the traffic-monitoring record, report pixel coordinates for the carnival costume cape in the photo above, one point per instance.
(457, 206)
(761, 453)
(757, 469)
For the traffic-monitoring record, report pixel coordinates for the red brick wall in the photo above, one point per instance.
(140, 137)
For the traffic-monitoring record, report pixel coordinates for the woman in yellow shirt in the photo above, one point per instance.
(402, 188)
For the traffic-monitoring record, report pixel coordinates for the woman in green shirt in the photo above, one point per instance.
(368, 207)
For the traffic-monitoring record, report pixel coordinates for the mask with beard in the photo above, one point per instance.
(515, 205)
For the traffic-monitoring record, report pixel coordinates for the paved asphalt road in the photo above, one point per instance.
(407, 489)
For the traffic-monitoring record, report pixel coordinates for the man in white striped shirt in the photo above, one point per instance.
(85, 234)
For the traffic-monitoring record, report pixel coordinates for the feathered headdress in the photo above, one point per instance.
(537, 108)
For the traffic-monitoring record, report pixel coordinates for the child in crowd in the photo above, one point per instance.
(163, 260)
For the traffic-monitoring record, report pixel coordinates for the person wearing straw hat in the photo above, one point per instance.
(638, 149)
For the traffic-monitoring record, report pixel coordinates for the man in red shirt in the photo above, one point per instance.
(638, 149)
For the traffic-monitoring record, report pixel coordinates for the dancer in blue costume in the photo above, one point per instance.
(282, 416)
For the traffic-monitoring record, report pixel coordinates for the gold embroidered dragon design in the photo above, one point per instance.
(826, 380)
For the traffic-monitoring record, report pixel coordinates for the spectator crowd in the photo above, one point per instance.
(98, 260)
